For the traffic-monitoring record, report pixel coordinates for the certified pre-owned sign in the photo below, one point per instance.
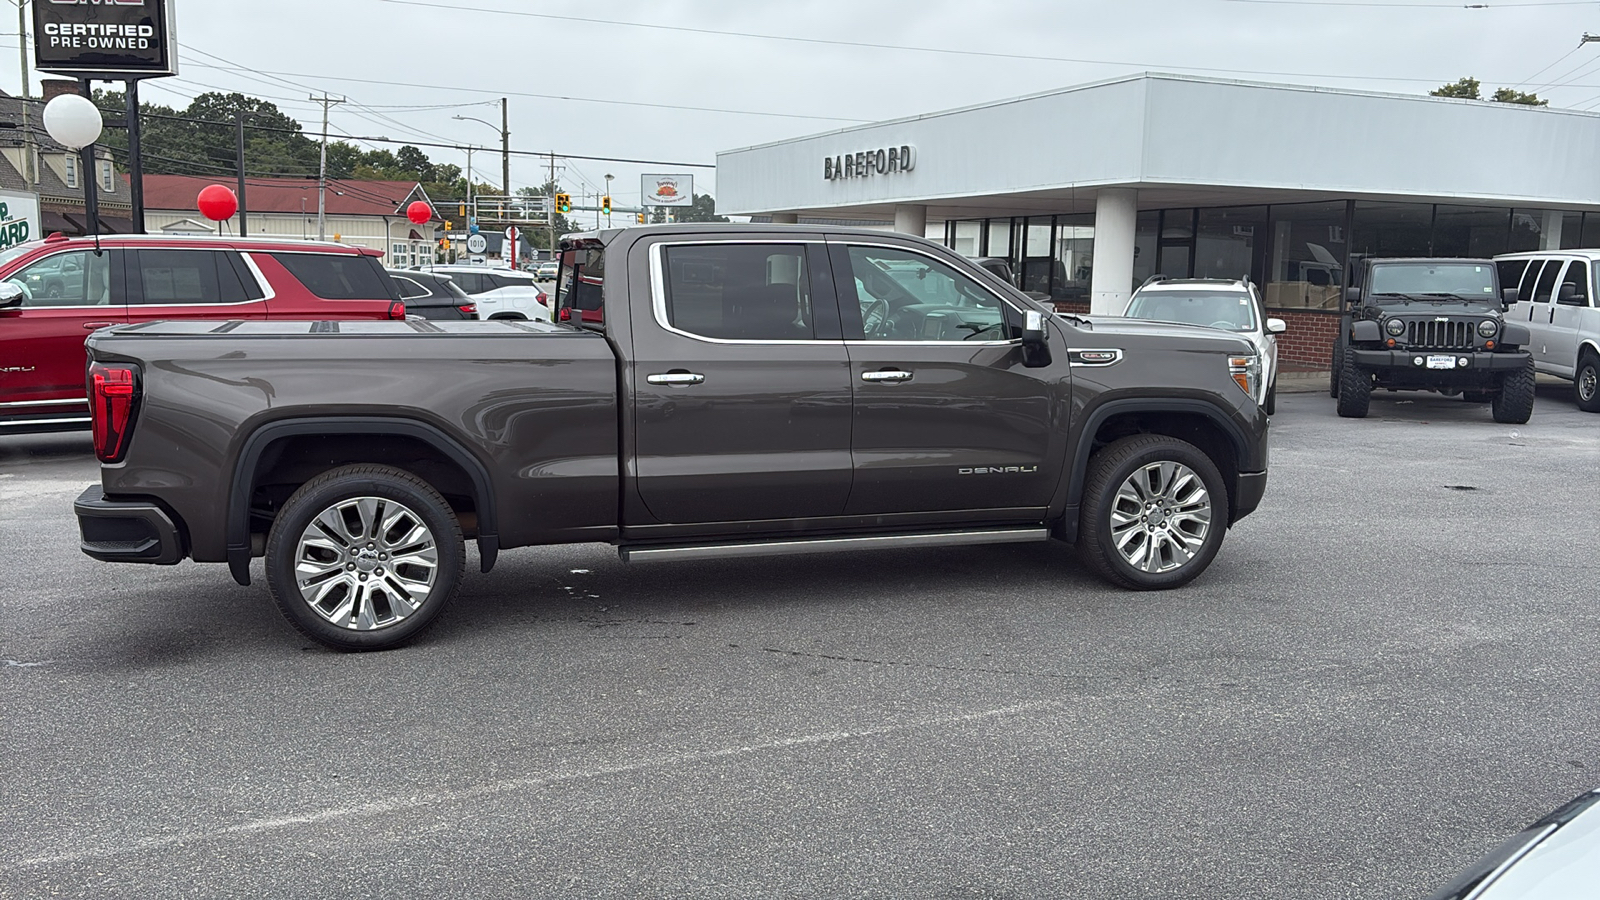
(107, 39)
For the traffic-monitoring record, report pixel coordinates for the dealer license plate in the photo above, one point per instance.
(1441, 362)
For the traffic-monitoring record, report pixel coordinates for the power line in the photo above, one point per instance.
(1549, 67)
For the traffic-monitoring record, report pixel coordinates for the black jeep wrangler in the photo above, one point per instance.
(1432, 325)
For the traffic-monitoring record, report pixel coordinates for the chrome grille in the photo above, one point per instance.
(1455, 334)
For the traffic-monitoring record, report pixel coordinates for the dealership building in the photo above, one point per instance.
(1090, 190)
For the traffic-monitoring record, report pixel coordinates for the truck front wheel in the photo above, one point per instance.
(1513, 403)
(364, 557)
(1355, 389)
(1154, 512)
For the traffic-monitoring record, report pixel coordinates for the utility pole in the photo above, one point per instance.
(238, 121)
(322, 169)
(472, 208)
(505, 148)
(28, 173)
(551, 197)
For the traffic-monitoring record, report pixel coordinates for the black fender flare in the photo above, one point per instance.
(1516, 334)
(1365, 330)
(1079, 468)
(244, 472)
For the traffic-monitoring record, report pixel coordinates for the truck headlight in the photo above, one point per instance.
(1246, 372)
(1488, 327)
(1395, 327)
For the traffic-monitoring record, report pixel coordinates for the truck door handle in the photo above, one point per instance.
(91, 326)
(887, 376)
(676, 378)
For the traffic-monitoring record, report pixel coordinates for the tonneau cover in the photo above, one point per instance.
(351, 328)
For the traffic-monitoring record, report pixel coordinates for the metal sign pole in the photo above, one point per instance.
(86, 165)
(135, 158)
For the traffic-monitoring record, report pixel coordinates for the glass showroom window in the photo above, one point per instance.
(1074, 259)
(1471, 231)
(1227, 240)
(968, 236)
(1392, 229)
(1036, 255)
(999, 243)
(1572, 231)
(1309, 249)
(1144, 245)
(1591, 230)
(1527, 226)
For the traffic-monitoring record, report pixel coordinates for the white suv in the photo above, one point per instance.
(499, 293)
(1556, 299)
(1217, 303)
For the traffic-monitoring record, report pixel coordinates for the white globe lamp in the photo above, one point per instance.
(73, 121)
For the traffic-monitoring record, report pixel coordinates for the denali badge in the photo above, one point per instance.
(1000, 470)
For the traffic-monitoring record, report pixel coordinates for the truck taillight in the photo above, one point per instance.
(397, 310)
(114, 393)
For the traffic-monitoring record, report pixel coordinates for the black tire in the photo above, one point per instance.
(1355, 390)
(1333, 371)
(1271, 406)
(1513, 404)
(1122, 463)
(1586, 382)
(378, 616)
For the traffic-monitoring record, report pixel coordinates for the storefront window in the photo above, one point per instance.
(1144, 245)
(1177, 243)
(1571, 231)
(1226, 242)
(1392, 229)
(1526, 227)
(1309, 250)
(1036, 255)
(1591, 230)
(1470, 231)
(968, 235)
(1074, 257)
(999, 238)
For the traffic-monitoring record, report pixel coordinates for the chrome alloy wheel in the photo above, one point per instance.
(1588, 383)
(1161, 516)
(366, 563)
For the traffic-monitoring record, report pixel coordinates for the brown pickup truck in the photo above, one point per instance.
(706, 391)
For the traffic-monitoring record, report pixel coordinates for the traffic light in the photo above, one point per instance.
(605, 204)
(448, 227)
(641, 218)
(563, 203)
(463, 210)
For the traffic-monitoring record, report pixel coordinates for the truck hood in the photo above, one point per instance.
(1150, 333)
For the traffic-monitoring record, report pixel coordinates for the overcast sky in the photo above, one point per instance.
(683, 88)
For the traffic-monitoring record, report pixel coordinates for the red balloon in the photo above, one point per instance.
(419, 212)
(217, 203)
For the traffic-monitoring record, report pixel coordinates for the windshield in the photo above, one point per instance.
(1231, 310)
(1400, 281)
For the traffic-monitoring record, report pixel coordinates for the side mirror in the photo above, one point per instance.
(1035, 341)
(11, 295)
(1352, 294)
(1277, 326)
(1508, 297)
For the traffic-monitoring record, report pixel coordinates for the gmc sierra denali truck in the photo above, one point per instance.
(704, 391)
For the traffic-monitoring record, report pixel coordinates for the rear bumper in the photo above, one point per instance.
(136, 531)
(14, 421)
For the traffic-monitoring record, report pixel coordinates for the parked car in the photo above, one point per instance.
(54, 292)
(546, 271)
(1000, 268)
(433, 296)
(1432, 325)
(1230, 304)
(500, 293)
(1555, 299)
(749, 391)
(1555, 858)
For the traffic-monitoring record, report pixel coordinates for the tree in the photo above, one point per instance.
(1466, 89)
(704, 209)
(1507, 95)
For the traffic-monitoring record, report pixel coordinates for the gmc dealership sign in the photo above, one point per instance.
(113, 40)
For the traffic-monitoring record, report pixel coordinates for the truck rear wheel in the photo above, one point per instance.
(1154, 512)
(1586, 382)
(1355, 389)
(364, 557)
(1513, 404)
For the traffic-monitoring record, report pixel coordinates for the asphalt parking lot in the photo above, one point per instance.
(1389, 668)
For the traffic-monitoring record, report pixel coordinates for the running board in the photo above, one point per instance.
(832, 544)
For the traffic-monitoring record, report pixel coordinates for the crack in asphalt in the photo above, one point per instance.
(976, 670)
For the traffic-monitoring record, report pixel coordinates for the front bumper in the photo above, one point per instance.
(1250, 488)
(136, 531)
(1476, 360)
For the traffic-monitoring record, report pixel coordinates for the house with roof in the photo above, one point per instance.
(31, 162)
(360, 213)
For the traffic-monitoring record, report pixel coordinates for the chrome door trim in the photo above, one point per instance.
(67, 402)
(262, 280)
(833, 544)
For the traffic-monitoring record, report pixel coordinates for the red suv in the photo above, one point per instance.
(54, 292)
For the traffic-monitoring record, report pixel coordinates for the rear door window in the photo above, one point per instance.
(1577, 275)
(187, 278)
(471, 282)
(409, 289)
(1525, 290)
(750, 292)
(1511, 271)
(337, 276)
(1546, 284)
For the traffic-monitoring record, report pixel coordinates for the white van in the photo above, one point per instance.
(1556, 292)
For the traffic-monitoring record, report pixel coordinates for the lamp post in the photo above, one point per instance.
(505, 147)
(74, 122)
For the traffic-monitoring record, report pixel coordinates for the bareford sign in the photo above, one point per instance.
(886, 161)
(110, 39)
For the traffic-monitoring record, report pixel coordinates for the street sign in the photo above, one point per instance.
(667, 190)
(510, 256)
(111, 40)
(19, 218)
(477, 243)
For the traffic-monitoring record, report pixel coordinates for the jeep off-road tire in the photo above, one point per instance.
(1333, 370)
(364, 557)
(1355, 389)
(1513, 403)
(1586, 382)
(1154, 512)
